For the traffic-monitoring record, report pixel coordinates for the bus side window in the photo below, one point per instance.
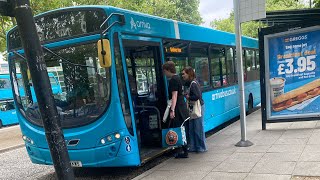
(244, 66)
(199, 61)
(7, 106)
(216, 67)
(257, 59)
(250, 65)
(231, 67)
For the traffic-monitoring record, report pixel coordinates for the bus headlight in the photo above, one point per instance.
(117, 136)
(109, 138)
(103, 141)
(28, 140)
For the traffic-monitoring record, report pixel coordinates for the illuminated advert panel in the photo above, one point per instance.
(292, 74)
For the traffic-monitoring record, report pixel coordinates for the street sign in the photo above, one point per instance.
(252, 10)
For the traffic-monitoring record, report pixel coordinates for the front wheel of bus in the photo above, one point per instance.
(1, 124)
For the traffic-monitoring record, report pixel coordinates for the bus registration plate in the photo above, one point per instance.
(76, 163)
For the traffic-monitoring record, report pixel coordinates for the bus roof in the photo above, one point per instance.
(152, 26)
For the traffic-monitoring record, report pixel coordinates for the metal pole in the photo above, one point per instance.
(42, 87)
(243, 142)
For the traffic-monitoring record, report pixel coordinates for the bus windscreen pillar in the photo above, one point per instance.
(38, 70)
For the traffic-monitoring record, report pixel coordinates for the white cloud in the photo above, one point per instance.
(214, 9)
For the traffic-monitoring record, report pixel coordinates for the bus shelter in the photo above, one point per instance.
(290, 66)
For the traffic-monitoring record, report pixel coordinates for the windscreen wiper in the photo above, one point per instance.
(18, 54)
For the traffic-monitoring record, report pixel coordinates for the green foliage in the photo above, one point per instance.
(251, 28)
(181, 10)
(316, 3)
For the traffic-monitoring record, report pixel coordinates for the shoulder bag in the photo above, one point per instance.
(194, 106)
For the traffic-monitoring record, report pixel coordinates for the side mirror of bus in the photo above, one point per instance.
(104, 53)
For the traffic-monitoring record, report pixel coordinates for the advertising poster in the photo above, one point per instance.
(293, 74)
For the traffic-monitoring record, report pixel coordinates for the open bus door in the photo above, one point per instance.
(148, 93)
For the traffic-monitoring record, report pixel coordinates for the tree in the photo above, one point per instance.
(181, 10)
(251, 28)
(316, 3)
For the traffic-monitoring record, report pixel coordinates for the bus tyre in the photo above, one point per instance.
(250, 104)
(1, 124)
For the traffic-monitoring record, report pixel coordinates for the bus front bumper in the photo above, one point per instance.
(104, 156)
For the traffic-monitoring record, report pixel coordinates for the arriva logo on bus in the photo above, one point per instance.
(139, 24)
(223, 94)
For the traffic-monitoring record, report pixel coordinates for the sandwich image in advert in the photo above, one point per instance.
(296, 96)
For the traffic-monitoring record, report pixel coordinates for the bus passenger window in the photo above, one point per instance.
(217, 56)
(5, 84)
(7, 106)
(200, 63)
(244, 66)
(250, 65)
(180, 63)
(231, 67)
(177, 51)
(257, 60)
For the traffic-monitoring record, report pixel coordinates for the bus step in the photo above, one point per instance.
(148, 154)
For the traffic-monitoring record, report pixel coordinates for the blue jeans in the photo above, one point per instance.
(196, 134)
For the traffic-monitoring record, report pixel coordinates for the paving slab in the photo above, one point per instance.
(10, 138)
(292, 141)
(252, 176)
(312, 148)
(307, 169)
(245, 157)
(280, 156)
(222, 149)
(235, 166)
(274, 167)
(284, 151)
(264, 140)
(314, 138)
(169, 175)
(182, 165)
(254, 148)
(310, 156)
(287, 148)
(224, 175)
(303, 124)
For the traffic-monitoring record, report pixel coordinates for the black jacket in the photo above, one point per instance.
(194, 91)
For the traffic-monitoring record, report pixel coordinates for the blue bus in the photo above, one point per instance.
(7, 108)
(112, 105)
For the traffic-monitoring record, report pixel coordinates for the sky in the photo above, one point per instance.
(217, 9)
(214, 9)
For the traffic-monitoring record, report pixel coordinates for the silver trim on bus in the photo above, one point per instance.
(176, 29)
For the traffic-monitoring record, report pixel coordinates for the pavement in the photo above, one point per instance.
(10, 138)
(284, 151)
